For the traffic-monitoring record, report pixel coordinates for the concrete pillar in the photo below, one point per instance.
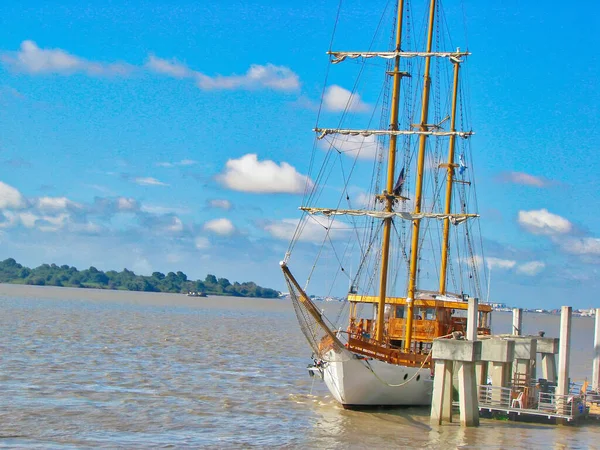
(521, 371)
(441, 400)
(462, 354)
(472, 313)
(448, 392)
(498, 374)
(467, 394)
(481, 372)
(525, 356)
(517, 321)
(596, 366)
(564, 356)
(499, 353)
(548, 348)
(562, 386)
(549, 367)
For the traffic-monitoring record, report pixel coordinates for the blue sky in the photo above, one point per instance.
(176, 135)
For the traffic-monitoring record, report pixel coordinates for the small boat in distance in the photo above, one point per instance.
(411, 227)
(196, 294)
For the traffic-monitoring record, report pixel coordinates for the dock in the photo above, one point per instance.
(498, 375)
(511, 402)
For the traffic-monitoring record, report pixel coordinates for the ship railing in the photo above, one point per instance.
(374, 349)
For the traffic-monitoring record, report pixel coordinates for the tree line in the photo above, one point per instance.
(52, 275)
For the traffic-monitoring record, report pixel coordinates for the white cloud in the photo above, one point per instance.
(201, 243)
(86, 227)
(269, 76)
(336, 99)
(248, 174)
(362, 147)
(282, 229)
(498, 263)
(183, 162)
(278, 78)
(543, 222)
(9, 219)
(158, 209)
(47, 219)
(314, 230)
(491, 262)
(55, 203)
(172, 68)
(531, 268)
(34, 60)
(52, 223)
(220, 203)
(175, 226)
(28, 219)
(100, 188)
(582, 246)
(162, 224)
(10, 197)
(364, 200)
(127, 204)
(148, 181)
(524, 178)
(222, 226)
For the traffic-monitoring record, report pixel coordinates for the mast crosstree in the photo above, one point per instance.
(423, 131)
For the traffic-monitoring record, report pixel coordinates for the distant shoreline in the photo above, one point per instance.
(12, 272)
(74, 293)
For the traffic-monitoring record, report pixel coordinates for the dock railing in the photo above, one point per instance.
(590, 397)
(494, 397)
(529, 402)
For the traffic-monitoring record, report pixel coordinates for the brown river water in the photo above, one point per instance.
(86, 368)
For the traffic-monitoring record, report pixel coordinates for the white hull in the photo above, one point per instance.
(360, 382)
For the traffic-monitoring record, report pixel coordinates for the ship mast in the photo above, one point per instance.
(414, 253)
(389, 199)
(449, 179)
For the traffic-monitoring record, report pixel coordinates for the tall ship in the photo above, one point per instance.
(390, 216)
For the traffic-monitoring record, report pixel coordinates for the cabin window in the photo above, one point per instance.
(399, 311)
(430, 314)
(386, 312)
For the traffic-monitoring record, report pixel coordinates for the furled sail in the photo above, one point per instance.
(326, 131)
(338, 57)
(454, 218)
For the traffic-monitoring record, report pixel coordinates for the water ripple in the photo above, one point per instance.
(81, 369)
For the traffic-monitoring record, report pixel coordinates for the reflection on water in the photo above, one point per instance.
(116, 369)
